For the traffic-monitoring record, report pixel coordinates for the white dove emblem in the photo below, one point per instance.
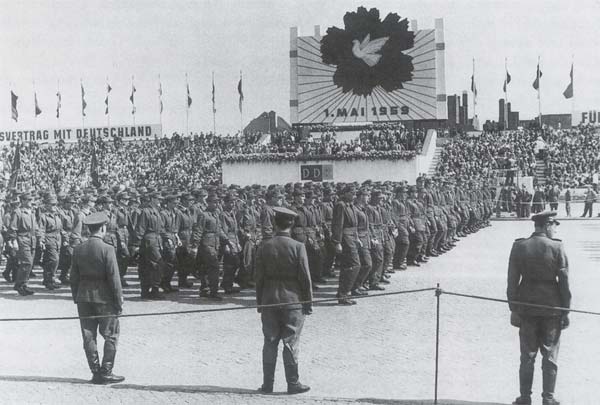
(367, 49)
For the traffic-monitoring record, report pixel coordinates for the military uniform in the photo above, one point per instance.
(538, 273)
(378, 230)
(170, 241)
(231, 255)
(344, 232)
(282, 277)
(209, 237)
(147, 237)
(185, 252)
(51, 235)
(23, 233)
(96, 289)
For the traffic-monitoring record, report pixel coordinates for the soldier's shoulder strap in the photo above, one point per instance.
(556, 239)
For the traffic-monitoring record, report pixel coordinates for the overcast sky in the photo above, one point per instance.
(59, 43)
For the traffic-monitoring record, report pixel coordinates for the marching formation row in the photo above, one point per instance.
(369, 230)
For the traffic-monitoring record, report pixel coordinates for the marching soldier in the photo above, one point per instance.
(185, 252)
(267, 215)
(147, 241)
(51, 236)
(22, 233)
(364, 251)
(232, 249)
(538, 273)
(282, 277)
(329, 248)
(121, 213)
(170, 243)
(377, 238)
(248, 236)
(344, 235)
(209, 237)
(10, 272)
(416, 230)
(402, 220)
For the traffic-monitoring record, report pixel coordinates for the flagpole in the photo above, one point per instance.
(187, 106)
(474, 96)
(133, 99)
(35, 106)
(241, 111)
(505, 94)
(57, 109)
(572, 88)
(213, 105)
(539, 92)
(82, 112)
(159, 103)
(107, 109)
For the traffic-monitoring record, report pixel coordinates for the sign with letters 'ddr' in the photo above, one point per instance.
(316, 172)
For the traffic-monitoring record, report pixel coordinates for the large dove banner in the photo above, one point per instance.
(373, 70)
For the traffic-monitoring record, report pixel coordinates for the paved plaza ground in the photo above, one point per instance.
(380, 351)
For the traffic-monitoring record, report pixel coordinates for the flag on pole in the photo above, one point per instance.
(506, 81)
(38, 111)
(58, 99)
(83, 103)
(132, 98)
(568, 93)
(108, 90)
(213, 94)
(538, 75)
(160, 95)
(189, 99)
(16, 167)
(473, 86)
(13, 104)
(241, 92)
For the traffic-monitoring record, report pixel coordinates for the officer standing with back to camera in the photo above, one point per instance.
(96, 289)
(282, 277)
(538, 273)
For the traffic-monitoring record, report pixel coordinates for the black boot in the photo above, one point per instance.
(268, 378)
(548, 384)
(525, 383)
(291, 376)
(107, 376)
(94, 364)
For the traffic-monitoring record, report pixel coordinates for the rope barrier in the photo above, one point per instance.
(200, 311)
(527, 304)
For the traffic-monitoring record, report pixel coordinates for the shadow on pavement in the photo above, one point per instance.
(207, 389)
(27, 378)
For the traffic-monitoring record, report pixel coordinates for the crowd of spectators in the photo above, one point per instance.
(569, 157)
(174, 161)
(377, 141)
(490, 154)
(572, 155)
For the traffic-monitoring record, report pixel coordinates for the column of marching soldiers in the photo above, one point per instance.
(367, 230)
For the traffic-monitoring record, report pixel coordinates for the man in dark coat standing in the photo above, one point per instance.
(96, 289)
(282, 277)
(538, 273)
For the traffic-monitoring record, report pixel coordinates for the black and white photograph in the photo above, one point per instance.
(299, 202)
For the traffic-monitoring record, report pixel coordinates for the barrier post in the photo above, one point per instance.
(438, 292)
